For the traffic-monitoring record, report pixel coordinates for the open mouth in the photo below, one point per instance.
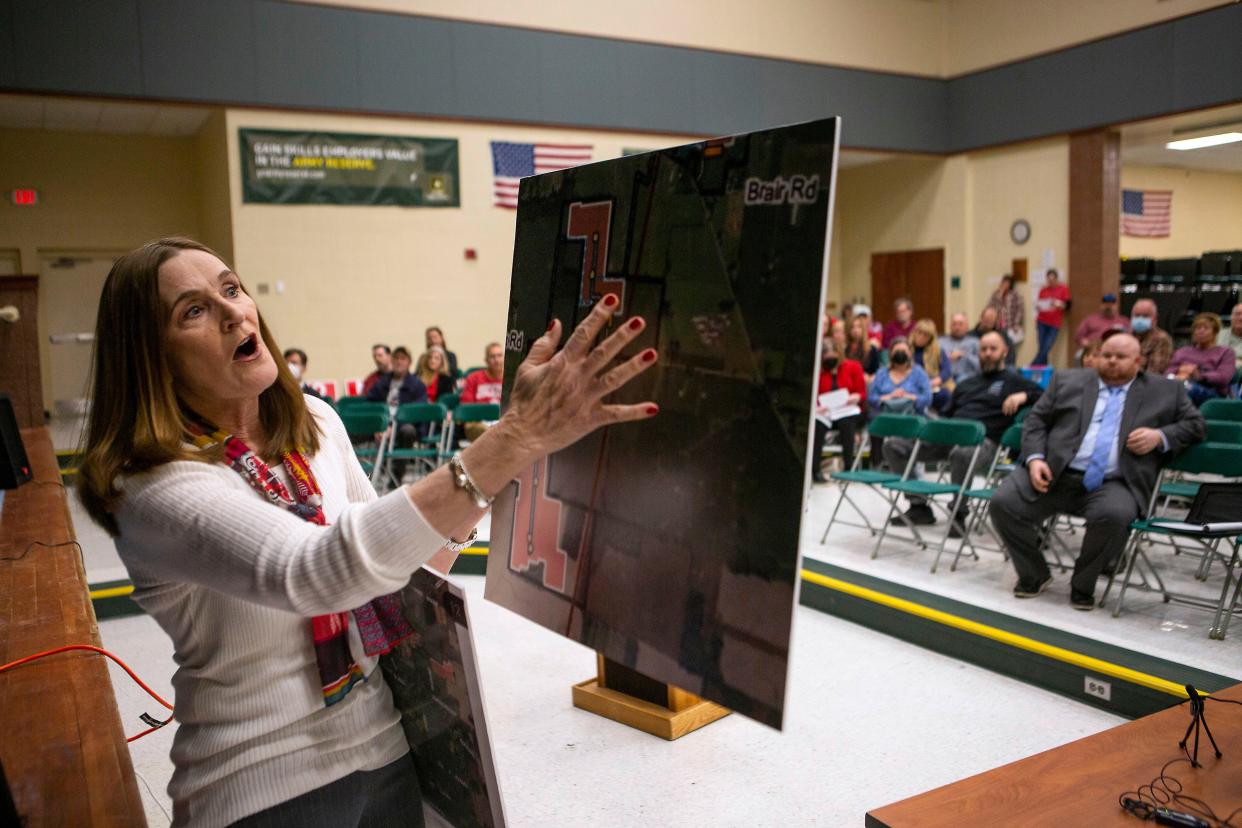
(246, 350)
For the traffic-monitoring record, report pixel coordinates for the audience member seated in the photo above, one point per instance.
(1010, 310)
(382, 355)
(1084, 463)
(1231, 337)
(992, 397)
(484, 386)
(1091, 353)
(931, 357)
(1096, 325)
(295, 359)
(901, 387)
(862, 348)
(1205, 367)
(433, 372)
(836, 331)
(902, 326)
(989, 321)
(434, 338)
(1054, 299)
(875, 331)
(962, 348)
(399, 387)
(1156, 346)
(837, 372)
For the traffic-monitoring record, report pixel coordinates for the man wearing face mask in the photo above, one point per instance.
(1155, 344)
(993, 397)
(295, 358)
(838, 372)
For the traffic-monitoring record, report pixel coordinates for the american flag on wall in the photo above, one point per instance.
(1146, 212)
(512, 162)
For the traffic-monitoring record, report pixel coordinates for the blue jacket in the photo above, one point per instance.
(412, 390)
(915, 383)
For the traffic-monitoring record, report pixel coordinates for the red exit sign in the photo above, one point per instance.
(25, 197)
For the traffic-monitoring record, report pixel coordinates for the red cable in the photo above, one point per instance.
(100, 651)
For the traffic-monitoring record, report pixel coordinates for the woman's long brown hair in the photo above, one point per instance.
(136, 420)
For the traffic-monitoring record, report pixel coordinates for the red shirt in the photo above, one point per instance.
(849, 376)
(481, 388)
(1053, 316)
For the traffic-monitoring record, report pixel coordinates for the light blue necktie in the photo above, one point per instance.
(1104, 439)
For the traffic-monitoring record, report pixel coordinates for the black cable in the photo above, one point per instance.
(1166, 791)
(33, 544)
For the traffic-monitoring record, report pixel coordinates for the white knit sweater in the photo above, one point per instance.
(235, 580)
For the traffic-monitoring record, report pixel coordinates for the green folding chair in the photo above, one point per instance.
(469, 413)
(942, 432)
(432, 415)
(884, 425)
(1003, 464)
(1222, 410)
(1218, 431)
(1220, 459)
(449, 401)
(362, 425)
(347, 403)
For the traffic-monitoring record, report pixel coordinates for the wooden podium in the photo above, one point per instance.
(629, 697)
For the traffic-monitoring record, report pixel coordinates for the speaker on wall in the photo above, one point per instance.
(14, 465)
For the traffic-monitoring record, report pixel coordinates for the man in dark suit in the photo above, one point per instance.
(1093, 446)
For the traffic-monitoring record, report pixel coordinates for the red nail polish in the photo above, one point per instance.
(610, 300)
(653, 410)
(551, 325)
(649, 355)
(635, 323)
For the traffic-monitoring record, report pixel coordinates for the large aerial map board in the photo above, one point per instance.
(435, 686)
(671, 545)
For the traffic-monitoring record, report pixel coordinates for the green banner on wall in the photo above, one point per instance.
(285, 167)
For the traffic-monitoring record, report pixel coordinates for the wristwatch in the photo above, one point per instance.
(462, 479)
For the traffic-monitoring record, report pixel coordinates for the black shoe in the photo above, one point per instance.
(818, 478)
(1029, 589)
(1082, 602)
(919, 514)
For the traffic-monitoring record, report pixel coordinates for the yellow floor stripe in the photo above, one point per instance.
(111, 592)
(1012, 639)
(475, 550)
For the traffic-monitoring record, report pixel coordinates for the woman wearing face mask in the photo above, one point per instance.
(256, 542)
(838, 372)
(901, 387)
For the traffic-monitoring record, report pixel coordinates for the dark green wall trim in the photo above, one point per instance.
(1127, 699)
(274, 53)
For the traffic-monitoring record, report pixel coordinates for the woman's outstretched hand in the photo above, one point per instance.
(557, 396)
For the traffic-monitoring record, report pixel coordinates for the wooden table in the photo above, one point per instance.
(61, 743)
(1079, 783)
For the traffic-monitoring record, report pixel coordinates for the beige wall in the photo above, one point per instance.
(919, 37)
(966, 205)
(353, 276)
(1206, 213)
(215, 206)
(97, 193)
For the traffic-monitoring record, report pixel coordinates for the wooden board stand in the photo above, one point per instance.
(629, 697)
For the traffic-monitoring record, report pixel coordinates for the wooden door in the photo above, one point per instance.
(918, 275)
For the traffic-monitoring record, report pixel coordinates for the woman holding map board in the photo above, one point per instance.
(257, 543)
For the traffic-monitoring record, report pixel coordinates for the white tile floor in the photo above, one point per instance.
(1176, 632)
